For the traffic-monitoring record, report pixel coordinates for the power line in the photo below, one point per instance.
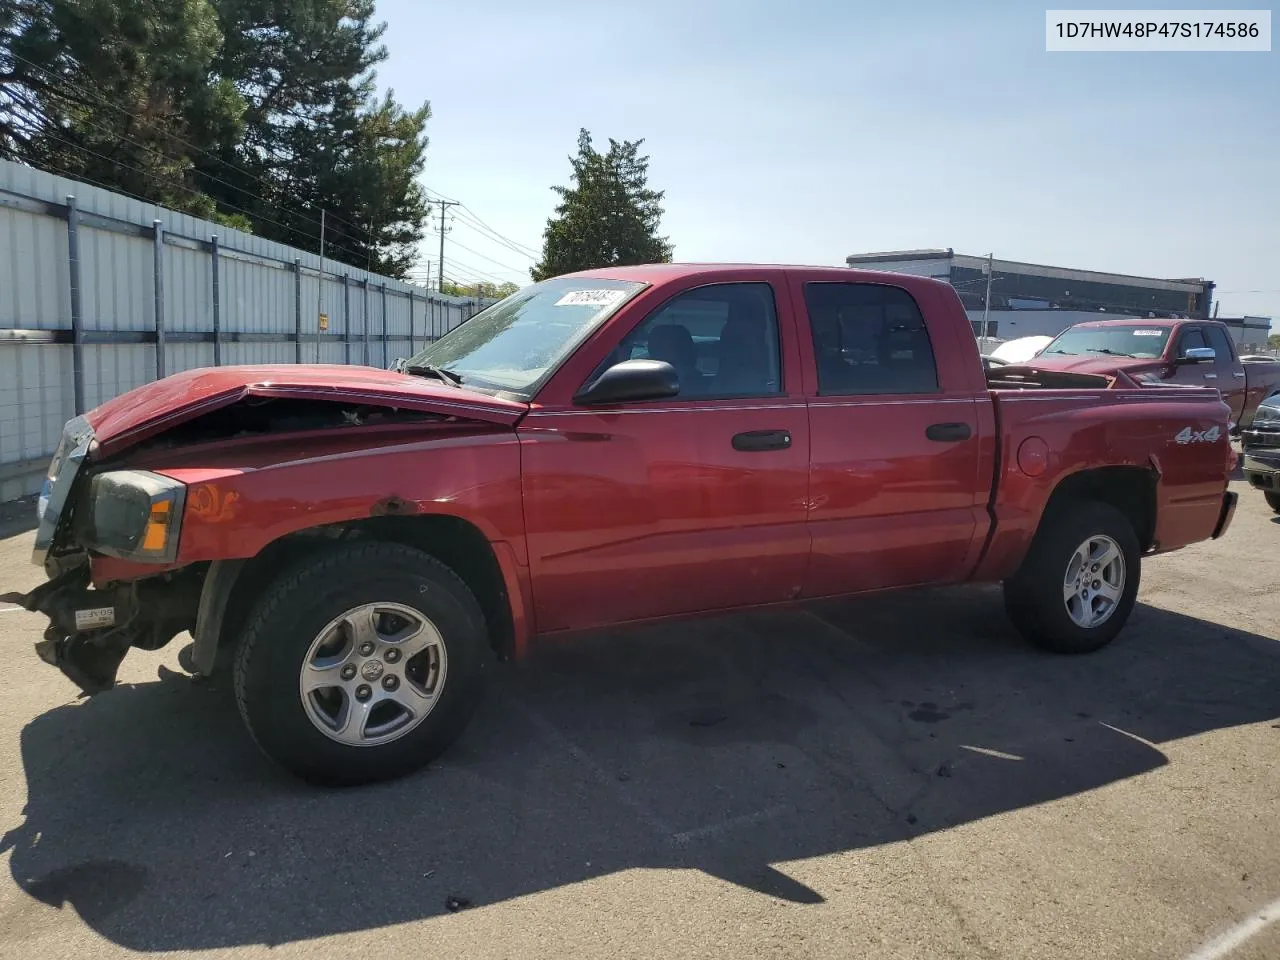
(477, 271)
(166, 157)
(163, 180)
(505, 266)
(529, 250)
(495, 237)
(472, 269)
(98, 99)
(492, 239)
(481, 227)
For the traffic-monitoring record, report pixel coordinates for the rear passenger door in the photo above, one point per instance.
(894, 491)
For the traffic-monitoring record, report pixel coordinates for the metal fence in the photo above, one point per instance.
(101, 293)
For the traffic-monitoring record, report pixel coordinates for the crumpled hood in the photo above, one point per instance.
(145, 411)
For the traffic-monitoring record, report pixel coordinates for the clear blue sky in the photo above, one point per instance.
(835, 128)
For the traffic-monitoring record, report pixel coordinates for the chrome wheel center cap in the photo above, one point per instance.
(371, 670)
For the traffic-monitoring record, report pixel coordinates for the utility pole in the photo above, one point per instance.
(320, 285)
(986, 301)
(444, 206)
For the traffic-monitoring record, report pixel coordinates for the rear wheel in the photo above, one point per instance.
(1078, 584)
(1273, 501)
(361, 664)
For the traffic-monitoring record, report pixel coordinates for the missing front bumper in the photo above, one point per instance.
(90, 631)
(89, 662)
(82, 639)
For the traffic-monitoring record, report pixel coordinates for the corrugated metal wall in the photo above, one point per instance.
(132, 321)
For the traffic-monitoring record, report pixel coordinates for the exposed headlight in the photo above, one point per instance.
(134, 515)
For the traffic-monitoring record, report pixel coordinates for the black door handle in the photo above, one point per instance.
(762, 440)
(948, 432)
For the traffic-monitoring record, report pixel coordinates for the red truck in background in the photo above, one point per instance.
(616, 446)
(1196, 353)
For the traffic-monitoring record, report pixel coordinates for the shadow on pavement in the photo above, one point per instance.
(728, 746)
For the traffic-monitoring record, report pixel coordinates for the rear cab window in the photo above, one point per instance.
(869, 339)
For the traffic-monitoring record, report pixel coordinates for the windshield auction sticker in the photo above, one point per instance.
(1147, 333)
(590, 298)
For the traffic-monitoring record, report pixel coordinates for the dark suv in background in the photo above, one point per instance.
(1262, 451)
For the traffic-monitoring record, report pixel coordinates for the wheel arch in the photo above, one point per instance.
(1130, 489)
(232, 587)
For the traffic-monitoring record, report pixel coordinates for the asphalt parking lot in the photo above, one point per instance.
(894, 777)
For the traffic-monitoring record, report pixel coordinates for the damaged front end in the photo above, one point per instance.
(90, 630)
(129, 514)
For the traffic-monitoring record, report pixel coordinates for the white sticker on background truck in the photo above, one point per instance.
(1147, 333)
(590, 298)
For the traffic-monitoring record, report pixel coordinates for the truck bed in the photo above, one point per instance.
(1044, 433)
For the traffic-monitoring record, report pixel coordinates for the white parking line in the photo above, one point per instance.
(1223, 944)
(701, 833)
(552, 733)
(12, 609)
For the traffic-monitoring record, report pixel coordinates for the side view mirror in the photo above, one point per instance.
(631, 380)
(1198, 355)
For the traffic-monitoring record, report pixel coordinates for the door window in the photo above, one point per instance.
(869, 338)
(1190, 340)
(1221, 346)
(722, 340)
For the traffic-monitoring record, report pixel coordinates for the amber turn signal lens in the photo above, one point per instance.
(157, 533)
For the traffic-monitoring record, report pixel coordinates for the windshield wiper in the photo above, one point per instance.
(1108, 351)
(431, 370)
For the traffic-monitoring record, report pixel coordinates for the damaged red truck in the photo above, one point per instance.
(617, 446)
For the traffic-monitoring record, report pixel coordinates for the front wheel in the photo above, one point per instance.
(1273, 501)
(361, 663)
(1078, 584)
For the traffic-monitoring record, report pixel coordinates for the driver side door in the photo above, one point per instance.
(1192, 374)
(647, 509)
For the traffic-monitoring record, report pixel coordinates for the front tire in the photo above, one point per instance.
(1079, 582)
(362, 663)
(1273, 501)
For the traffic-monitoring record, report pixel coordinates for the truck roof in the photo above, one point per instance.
(1137, 322)
(667, 272)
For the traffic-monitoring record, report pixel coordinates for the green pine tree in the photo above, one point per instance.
(257, 113)
(117, 92)
(608, 217)
(316, 137)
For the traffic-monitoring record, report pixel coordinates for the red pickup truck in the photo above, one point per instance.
(616, 446)
(1158, 352)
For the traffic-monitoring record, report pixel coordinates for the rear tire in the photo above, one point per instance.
(1273, 501)
(343, 644)
(1061, 606)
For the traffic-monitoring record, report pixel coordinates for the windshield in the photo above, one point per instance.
(516, 343)
(1142, 342)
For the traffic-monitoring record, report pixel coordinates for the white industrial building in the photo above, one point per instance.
(1029, 299)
